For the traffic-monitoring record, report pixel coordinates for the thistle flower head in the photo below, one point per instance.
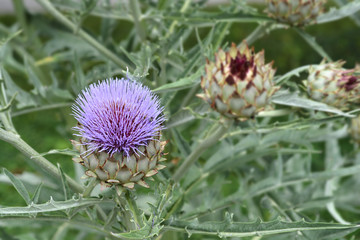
(119, 125)
(238, 84)
(295, 12)
(117, 115)
(332, 84)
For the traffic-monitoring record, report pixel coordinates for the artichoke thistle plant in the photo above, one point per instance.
(96, 95)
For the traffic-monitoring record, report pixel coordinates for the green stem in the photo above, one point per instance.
(201, 147)
(101, 212)
(23, 147)
(312, 43)
(20, 15)
(41, 108)
(124, 211)
(189, 96)
(5, 116)
(92, 184)
(161, 80)
(133, 209)
(61, 231)
(259, 31)
(223, 30)
(136, 12)
(61, 18)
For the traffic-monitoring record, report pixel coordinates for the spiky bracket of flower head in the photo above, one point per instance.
(239, 83)
(334, 85)
(295, 12)
(119, 124)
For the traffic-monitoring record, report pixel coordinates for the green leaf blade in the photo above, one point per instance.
(337, 14)
(293, 100)
(19, 186)
(257, 228)
(182, 83)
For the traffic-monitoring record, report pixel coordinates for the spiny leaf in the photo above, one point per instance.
(181, 83)
(64, 183)
(19, 186)
(312, 42)
(52, 206)
(342, 12)
(36, 196)
(292, 99)
(257, 228)
(294, 72)
(229, 163)
(267, 185)
(66, 151)
(151, 228)
(298, 124)
(30, 179)
(142, 59)
(271, 184)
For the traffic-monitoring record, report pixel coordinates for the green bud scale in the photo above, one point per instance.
(120, 169)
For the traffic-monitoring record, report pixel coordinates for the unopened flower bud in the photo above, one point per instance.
(295, 12)
(331, 84)
(238, 84)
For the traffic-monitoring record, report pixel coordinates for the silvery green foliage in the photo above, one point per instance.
(291, 172)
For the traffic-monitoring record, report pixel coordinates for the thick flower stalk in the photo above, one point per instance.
(355, 129)
(295, 12)
(119, 125)
(334, 85)
(239, 83)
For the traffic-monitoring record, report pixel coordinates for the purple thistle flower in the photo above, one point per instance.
(117, 115)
